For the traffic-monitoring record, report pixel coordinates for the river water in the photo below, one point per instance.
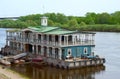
(107, 45)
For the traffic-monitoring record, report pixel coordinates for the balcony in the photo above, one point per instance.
(50, 43)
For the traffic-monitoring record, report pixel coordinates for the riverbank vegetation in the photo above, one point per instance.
(90, 22)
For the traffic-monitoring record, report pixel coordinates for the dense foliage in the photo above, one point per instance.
(90, 22)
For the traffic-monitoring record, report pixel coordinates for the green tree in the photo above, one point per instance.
(90, 18)
(116, 17)
(103, 18)
(20, 24)
(73, 24)
(31, 23)
(50, 23)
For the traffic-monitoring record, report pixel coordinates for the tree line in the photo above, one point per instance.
(90, 22)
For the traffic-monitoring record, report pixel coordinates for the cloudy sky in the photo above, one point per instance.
(10, 8)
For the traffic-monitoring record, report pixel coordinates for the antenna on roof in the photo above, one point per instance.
(44, 21)
(43, 9)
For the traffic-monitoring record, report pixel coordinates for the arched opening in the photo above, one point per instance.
(28, 48)
(62, 39)
(39, 49)
(56, 53)
(70, 38)
(27, 33)
(50, 51)
(50, 38)
(56, 38)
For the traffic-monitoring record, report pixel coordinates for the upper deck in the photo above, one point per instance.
(55, 38)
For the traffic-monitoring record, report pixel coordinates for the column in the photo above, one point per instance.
(47, 51)
(60, 40)
(17, 36)
(21, 47)
(42, 50)
(31, 36)
(53, 52)
(73, 39)
(17, 46)
(36, 39)
(82, 39)
(64, 39)
(41, 38)
(93, 37)
(79, 39)
(20, 37)
(37, 49)
(7, 38)
(23, 37)
(53, 39)
(67, 39)
(47, 39)
(32, 49)
(60, 53)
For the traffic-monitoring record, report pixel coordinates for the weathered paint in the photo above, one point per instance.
(77, 51)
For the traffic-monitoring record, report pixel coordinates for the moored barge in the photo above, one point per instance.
(57, 46)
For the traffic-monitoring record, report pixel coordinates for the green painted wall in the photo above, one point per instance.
(77, 51)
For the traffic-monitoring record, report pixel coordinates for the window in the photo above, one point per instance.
(85, 50)
(69, 52)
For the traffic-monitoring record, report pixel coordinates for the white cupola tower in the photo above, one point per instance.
(44, 21)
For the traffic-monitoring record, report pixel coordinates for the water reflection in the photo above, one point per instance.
(39, 72)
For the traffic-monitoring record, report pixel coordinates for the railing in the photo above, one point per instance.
(50, 43)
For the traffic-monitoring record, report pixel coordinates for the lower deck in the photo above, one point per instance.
(74, 63)
(68, 62)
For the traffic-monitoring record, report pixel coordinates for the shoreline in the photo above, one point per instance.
(7, 73)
